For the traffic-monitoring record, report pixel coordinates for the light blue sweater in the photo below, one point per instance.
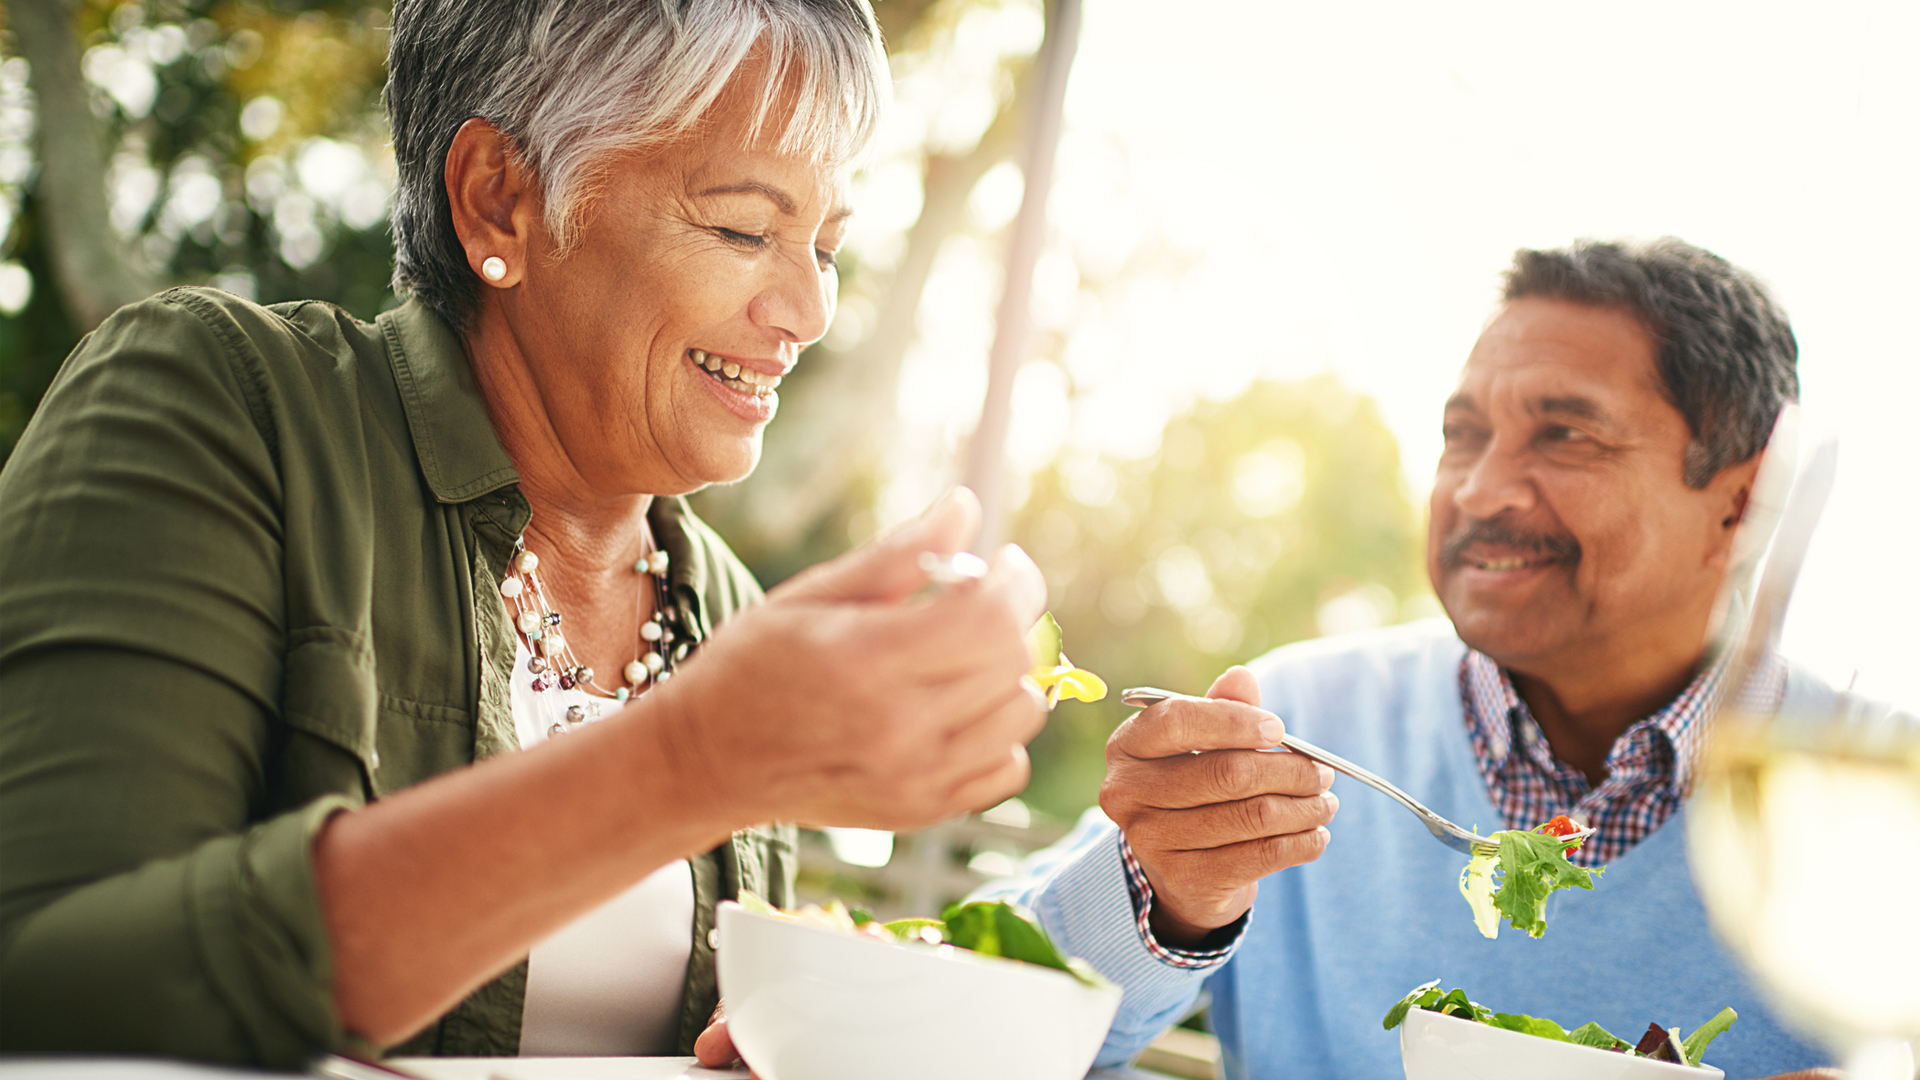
(1332, 944)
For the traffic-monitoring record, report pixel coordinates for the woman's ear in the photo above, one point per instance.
(494, 202)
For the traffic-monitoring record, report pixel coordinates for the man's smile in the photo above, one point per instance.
(1494, 546)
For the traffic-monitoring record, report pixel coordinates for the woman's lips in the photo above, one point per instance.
(746, 393)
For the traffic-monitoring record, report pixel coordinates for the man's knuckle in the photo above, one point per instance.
(1257, 816)
(1227, 773)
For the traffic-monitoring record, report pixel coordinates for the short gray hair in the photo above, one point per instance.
(1727, 355)
(573, 81)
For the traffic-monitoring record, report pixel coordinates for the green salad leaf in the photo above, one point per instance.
(1421, 997)
(1592, 1034)
(988, 927)
(997, 928)
(1529, 866)
(1532, 866)
(1529, 1025)
(1695, 1044)
(1455, 1003)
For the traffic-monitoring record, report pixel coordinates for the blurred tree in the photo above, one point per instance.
(1276, 516)
(237, 143)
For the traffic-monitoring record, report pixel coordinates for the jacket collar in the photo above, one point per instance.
(459, 453)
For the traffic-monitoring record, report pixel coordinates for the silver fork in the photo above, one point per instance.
(1443, 830)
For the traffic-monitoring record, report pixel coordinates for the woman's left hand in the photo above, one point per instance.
(714, 1047)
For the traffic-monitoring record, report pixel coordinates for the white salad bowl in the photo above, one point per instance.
(808, 1003)
(1434, 1046)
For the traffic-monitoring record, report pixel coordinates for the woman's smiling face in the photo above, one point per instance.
(657, 339)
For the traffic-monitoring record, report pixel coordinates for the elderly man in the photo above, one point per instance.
(1599, 454)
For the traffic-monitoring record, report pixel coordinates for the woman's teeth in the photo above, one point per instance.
(744, 379)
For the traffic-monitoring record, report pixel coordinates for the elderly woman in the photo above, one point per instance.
(306, 623)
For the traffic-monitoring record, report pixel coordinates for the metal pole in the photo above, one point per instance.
(986, 453)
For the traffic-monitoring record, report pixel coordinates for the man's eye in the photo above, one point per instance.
(1560, 433)
(827, 259)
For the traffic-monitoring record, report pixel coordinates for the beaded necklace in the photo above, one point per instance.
(553, 665)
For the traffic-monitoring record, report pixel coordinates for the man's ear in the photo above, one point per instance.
(494, 202)
(1731, 492)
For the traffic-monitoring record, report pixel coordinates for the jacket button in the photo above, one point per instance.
(373, 758)
(713, 938)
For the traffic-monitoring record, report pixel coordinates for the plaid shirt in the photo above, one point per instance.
(1649, 769)
(1141, 893)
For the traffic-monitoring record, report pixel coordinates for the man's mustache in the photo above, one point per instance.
(1498, 534)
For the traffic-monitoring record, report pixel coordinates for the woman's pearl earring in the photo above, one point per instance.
(494, 268)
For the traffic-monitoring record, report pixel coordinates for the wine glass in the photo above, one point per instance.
(1804, 827)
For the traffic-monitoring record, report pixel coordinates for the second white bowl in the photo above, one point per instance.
(1438, 1047)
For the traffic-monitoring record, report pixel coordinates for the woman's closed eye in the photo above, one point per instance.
(744, 240)
(747, 241)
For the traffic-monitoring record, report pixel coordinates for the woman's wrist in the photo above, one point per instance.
(674, 728)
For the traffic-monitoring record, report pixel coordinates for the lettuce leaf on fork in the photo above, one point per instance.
(1531, 865)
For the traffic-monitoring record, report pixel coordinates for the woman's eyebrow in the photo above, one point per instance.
(780, 199)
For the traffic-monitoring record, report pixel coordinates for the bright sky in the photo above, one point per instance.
(1349, 179)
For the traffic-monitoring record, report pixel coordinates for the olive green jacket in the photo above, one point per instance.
(249, 561)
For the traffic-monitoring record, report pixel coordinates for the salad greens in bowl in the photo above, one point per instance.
(824, 994)
(1446, 1036)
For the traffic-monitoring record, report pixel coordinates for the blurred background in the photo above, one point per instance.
(1273, 234)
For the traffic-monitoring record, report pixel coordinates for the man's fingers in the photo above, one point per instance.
(1219, 776)
(1232, 865)
(1236, 684)
(1182, 726)
(888, 567)
(1217, 825)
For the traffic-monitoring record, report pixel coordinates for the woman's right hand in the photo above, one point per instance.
(848, 700)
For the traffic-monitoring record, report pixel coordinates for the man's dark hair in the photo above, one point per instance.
(1726, 354)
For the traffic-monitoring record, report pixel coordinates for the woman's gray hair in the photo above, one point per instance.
(572, 82)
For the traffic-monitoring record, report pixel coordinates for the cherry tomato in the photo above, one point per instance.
(1561, 825)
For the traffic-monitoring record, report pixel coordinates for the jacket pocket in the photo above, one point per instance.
(329, 695)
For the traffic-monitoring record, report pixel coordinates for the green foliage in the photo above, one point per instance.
(294, 209)
(1254, 514)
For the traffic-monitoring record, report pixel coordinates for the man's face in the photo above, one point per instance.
(1561, 527)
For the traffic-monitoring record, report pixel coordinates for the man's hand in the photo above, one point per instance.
(1207, 816)
(849, 699)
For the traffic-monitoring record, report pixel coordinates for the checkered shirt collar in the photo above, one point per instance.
(1503, 720)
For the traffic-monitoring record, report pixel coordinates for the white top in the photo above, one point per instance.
(611, 981)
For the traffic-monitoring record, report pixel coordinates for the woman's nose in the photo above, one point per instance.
(798, 304)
